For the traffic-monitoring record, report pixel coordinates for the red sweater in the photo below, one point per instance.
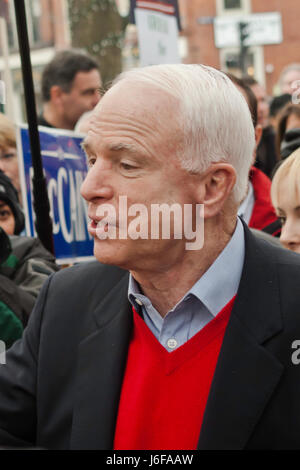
(164, 394)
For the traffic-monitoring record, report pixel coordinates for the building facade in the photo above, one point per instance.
(264, 61)
(48, 31)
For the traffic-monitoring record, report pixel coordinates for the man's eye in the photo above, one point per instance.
(91, 162)
(127, 166)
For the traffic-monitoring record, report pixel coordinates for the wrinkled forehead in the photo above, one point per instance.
(138, 101)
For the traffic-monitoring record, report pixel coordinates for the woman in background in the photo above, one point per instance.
(8, 152)
(285, 195)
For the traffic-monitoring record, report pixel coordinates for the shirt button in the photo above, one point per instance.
(172, 343)
(138, 301)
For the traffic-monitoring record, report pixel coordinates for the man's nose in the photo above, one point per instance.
(97, 184)
(96, 98)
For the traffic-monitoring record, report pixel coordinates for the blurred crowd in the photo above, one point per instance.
(71, 85)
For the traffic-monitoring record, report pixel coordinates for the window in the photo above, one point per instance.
(233, 7)
(39, 28)
(229, 4)
(254, 62)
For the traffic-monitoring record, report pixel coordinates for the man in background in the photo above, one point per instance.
(266, 157)
(70, 87)
(289, 77)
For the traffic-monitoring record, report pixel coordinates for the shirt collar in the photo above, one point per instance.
(246, 208)
(217, 285)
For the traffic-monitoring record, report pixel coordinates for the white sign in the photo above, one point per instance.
(158, 37)
(262, 29)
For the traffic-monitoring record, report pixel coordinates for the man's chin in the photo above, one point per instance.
(110, 255)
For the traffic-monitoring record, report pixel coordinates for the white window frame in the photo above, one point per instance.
(244, 10)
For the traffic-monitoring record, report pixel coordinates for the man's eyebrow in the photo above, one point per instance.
(86, 147)
(121, 146)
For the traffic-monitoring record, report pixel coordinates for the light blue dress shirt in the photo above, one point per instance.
(201, 303)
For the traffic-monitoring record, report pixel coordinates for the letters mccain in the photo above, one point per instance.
(156, 459)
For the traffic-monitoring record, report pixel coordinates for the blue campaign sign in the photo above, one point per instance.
(65, 168)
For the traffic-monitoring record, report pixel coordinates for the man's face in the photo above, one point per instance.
(131, 145)
(9, 165)
(7, 219)
(288, 80)
(262, 105)
(84, 95)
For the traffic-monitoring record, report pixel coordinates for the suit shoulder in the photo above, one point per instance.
(278, 254)
(84, 277)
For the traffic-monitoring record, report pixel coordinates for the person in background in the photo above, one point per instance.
(71, 85)
(256, 208)
(8, 153)
(285, 193)
(288, 131)
(276, 106)
(266, 150)
(24, 266)
(288, 78)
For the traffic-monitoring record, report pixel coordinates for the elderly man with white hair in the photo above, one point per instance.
(183, 333)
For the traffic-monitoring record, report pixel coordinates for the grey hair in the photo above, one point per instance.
(213, 115)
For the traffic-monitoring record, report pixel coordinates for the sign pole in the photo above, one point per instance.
(41, 201)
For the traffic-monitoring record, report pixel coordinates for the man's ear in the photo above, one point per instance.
(56, 94)
(216, 185)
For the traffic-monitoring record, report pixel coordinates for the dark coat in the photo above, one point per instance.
(24, 266)
(61, 384)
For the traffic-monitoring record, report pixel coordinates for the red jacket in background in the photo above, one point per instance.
(263, 214)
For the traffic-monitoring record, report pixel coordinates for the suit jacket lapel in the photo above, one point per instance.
(101, 363)
(246, 373)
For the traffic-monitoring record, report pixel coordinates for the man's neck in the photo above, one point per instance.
(165, 288)
(51, 116)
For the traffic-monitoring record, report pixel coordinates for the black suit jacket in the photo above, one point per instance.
(61, 384)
